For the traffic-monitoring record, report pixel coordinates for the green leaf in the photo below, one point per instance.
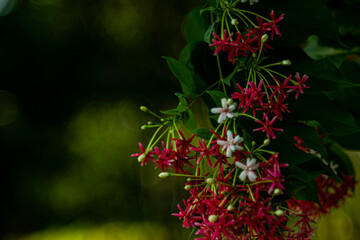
(302, 184)
(288, 153)
(170, 111)
(340, 157)
(308, 134)
(323, 75)
(196, 26)
(204, 133)
(318, 107)
(182, 106)
(230, 76)
(183, 74)
(207, 35)
(189, 121)
(214, 3)
(217, 96)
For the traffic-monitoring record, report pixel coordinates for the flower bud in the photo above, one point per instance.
(234, 22)
(143, 127)
(164, 175)
(253, 143)
(286, 62)
(210, 181)
(230, 101)
(143, 108)
(149, 123)
(230, 207)
(266, 142)
(264, 38)
(279, 212)
(213, 218)
(187, 187)
(141, 158)
(277, 191)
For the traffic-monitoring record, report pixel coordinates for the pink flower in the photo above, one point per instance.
(248, 169)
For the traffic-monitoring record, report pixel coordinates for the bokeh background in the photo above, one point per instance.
(72, 77)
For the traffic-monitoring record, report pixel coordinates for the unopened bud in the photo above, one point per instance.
(230, 101)
(234, 22)
(143, 108)
(187, 187)
(266, 142)
(277, 191)
(162, 120)
(149, 123)
(213, 218)
(264, 38)
(143, 127)
(286, 62)
(223, 192)
(253, 143)
(141, 158)
(230, 207)
(210, 181)
(279, 212)
(164, 175)
(254, 55)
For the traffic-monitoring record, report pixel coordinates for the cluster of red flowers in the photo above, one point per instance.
(271, 105)
(251, 42)
(237, 201)
(235, 188)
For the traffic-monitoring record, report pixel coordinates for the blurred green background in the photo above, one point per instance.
(72, 77)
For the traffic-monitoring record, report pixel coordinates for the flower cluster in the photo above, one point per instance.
(269, 100)
(237, 188)
(253, 41)
(236, 198)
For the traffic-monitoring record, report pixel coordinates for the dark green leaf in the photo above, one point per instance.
(230, 76)
(340, 157)
(214, 3)
(217, 96)
(302, 184)
(207, 35)
(323, 75)
(189, 121)
(196, 25)
(318, 107)
(288, 153)
(183, 74)
(170, 112)
(204, 133)
(182, 106)
(308, 134)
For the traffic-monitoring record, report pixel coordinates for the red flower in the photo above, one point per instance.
(267, 127)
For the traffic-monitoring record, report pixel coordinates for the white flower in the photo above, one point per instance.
(225, 111)
(248, 169)
(231, 145)
(251, 1)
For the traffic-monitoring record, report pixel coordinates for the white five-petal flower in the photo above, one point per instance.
(231, 144)
(248, 169)
(225, 111)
